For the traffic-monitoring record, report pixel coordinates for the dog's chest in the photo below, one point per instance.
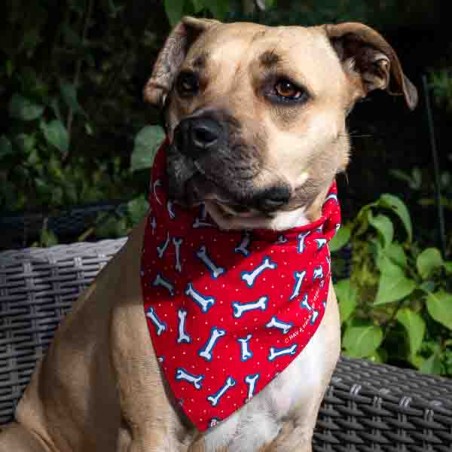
(290, 395)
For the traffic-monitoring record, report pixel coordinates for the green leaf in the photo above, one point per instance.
(393, 286)
(384, 226)
(414, 326)
(147, 142)
(439, 306)
(22, 108)
(69, 95)
(174, 10)
(432, 365)
(397, 254)
(362, 341)
(428, 261)
(448, 266)
(199, 5)
(137, 209)
(219, 8)
(340, 239)
(56, 134)
(347, 296)
(6, 148)
(400, 209)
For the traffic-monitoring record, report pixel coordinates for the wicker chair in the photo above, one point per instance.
(367, 407)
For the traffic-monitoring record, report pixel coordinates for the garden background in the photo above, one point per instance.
(77, 141)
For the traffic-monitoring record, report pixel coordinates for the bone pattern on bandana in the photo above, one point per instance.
(227, 311)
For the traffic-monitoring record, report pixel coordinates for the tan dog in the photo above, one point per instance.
(277, 99)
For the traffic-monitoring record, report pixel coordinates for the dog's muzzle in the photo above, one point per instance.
(219, 171)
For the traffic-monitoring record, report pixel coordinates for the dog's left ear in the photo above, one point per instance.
(172, 55)
(370, 61)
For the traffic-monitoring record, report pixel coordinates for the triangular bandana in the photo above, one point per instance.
(228, 311)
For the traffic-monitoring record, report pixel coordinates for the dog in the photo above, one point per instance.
(255, 121)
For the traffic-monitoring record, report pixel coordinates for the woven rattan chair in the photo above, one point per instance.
(367, 407)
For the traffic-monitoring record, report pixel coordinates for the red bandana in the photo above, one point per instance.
(228, 311)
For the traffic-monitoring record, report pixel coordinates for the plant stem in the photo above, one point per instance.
(78, 68)
(433, 147)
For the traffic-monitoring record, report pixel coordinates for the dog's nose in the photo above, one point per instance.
(273, 198)
(198, 135)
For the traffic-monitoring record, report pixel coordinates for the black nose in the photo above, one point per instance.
(197, 135)
(273, 198)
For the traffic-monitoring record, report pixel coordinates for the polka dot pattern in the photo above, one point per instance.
(227, 311)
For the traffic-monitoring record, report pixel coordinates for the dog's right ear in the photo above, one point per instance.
(172, 56)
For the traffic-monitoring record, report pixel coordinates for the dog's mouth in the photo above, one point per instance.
(230, 191)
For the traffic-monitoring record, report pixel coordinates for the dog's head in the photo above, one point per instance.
(256, 115)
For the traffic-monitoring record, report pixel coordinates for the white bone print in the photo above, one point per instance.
(245, 353)
(195, 380)
(284, 327)
(162, 247)
(162, 282)
(278, 352)
(299, 277)
(301, 238)
(240, 308)
(203, 301)
(177, 242)
(251, 381)
(160, 326)
(182, 335)
(206, 351)
(215, 271)
(215, 398)
(242, 247)
(250, 277)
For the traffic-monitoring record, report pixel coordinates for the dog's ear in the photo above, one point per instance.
(370, 61)
(172, 56)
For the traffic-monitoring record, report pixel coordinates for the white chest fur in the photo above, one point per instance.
(291, 394)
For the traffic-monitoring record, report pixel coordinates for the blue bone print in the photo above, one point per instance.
(203, 301)
(216, 397)
(206, 351)
(239, 308)
(299, 277)
(284, 327)
(214, 270)
(250, 277)
(301, 238)
(160, 281)
(245, 352)
(276, 352)
(182, 335)
(242, 247)
(184, 375)
(251, 381)
(160, 326)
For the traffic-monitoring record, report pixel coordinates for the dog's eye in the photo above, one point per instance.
(187, 84)
(287, 90)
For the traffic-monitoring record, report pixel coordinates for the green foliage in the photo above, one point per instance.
(397, 304)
